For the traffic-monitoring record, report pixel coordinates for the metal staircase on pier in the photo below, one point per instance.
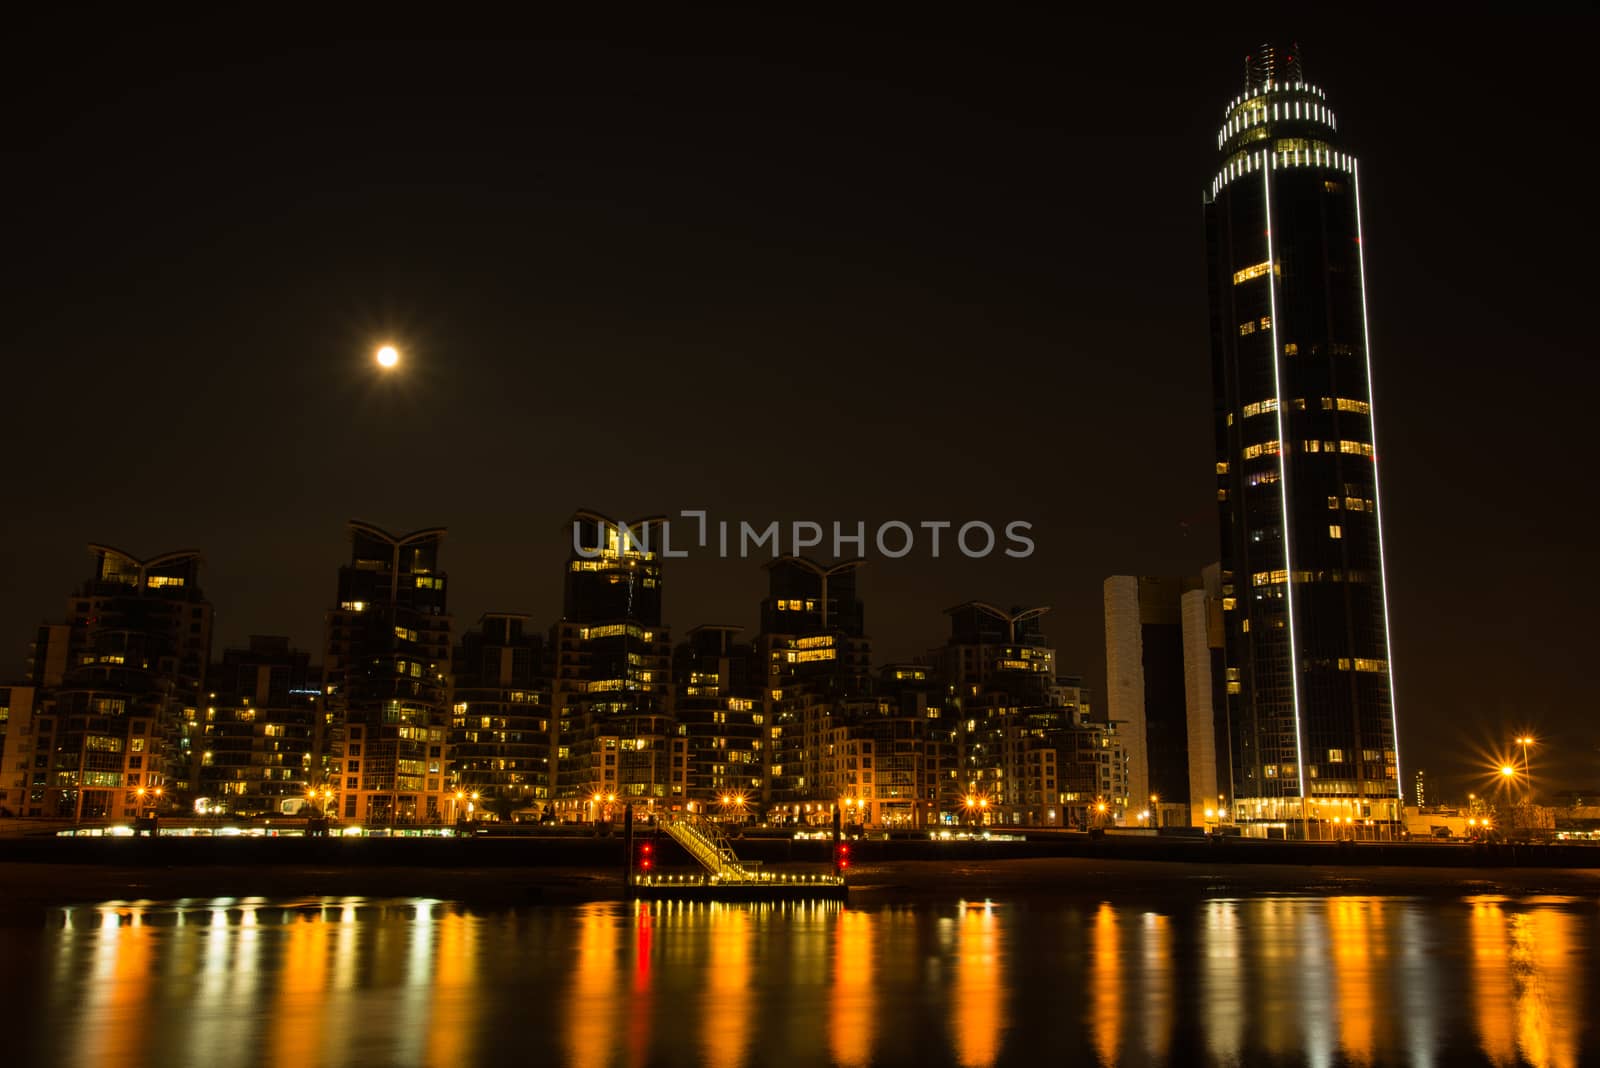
(704, 840)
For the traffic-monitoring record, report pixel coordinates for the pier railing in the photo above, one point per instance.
(705, 841)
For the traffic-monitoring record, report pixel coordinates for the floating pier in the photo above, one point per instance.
(725, 876)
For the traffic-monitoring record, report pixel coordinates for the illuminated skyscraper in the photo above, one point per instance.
(817, 661)
(613, 738)
(1310, 703)
(385, 677)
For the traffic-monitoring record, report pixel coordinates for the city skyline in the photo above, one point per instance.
(1101, 349)
(411, 717)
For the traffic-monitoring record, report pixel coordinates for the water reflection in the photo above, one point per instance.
(1355, 930)
(1528, 983)
(1356, 980)
(980, 988)
(593, 1006)
(725, 1004)
(1105, 985)
(852, 1008)
(1156, 991)
(1222, 980)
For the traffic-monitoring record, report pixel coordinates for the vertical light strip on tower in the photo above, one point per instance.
(1283, 492)
(1377, 483)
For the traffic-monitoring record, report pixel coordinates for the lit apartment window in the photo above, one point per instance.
(1335, 530)
(1255, 270)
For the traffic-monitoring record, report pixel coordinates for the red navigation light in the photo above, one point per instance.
(844, 856)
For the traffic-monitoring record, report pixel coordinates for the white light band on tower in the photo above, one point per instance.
(1283, 494)
(1377, 492)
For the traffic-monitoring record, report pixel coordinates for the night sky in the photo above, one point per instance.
(784, 270)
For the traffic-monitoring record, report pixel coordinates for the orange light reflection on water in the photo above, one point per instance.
(726, 1002)
(978, 996)
(852, 1006)
(1527, 984)
(593, 1007)
(1105, 984)
(1360, 968)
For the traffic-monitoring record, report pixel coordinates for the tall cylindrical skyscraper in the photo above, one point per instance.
(1309, 691)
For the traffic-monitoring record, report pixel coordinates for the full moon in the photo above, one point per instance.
(388, 356)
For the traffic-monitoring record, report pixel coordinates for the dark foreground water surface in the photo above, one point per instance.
(1318, 980)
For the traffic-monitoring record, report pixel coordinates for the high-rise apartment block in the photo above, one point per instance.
(385, 677)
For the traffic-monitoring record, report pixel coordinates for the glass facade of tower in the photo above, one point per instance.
(1310, 703)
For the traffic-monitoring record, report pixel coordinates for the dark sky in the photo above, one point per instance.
(784, 269)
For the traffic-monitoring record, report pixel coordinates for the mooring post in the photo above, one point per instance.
(627, 853)
(836, 842)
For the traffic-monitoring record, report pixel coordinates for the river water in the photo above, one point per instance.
(1318, 980)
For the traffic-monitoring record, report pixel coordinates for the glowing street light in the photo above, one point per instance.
(388, 357)
(1524, 741)
(153, 796)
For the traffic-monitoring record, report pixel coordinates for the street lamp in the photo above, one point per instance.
(1527, 771)
(154, 797)
(733, 803)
